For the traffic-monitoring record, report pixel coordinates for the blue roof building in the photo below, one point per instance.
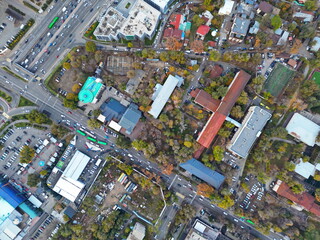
(112, 110)
(11, 195)
(199, 170)
(130, 118)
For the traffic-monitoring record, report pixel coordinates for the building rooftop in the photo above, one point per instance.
(170, 32)
(112, 109)
(240, 26)
(203, 30)
(68, 185)
(305, 200)
(305, 169)
(227, 8)
(205, 100)
(305, 16)
(175, 20)
(129, 18)
(138, 232)
(199, 170)
(130, 118)
(216, 71)
(316, 47)
(162, 95)
(90, 90)
(11, 195)
(255, 28)
(303, 129)
(265, 7)
(250, 130)
(216, 120)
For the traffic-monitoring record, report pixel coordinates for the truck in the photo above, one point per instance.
(64, 9)
(98, 162)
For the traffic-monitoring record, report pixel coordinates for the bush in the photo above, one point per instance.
(30, 6)
(17, 10)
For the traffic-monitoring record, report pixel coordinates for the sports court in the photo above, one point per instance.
(278, 79)
(316, 77)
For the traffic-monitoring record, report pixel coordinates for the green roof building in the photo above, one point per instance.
(90, 90)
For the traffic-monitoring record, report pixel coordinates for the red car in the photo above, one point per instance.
(57, 56)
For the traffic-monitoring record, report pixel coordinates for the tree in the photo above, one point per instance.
(126, 168)
(292, 26)
(317, 194)
(207, 2)
(227, 202)
(69, 103)
(37, 117)
(204, 189)
(197, 20)
(123, 142)
(58, 131)
(298, 188)
(43, 172)
(308, 88)
(167, 169)
(130, 44)
(237, 112)
(90, 46)
(197, 46)
(98, 56)
(307, 31)
(290, 166)
(131, 74)
(76, 88)
(243, 98)
(27, 154)
(316, 177)
(139, 144)
(137, 65)
(67, 65)
(33, 180)
(214, 55)
(276, 22)
(164, 56)
(93, 123)
(218, 153)
(311, 5)
(185, 213)
(173, 44)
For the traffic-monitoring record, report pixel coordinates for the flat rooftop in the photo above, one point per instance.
(250, 130)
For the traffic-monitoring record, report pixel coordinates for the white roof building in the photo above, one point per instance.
(227, 8)
(68, 185)
(161, 5)
(130, 19)
(316, 47)
(35, 201)
(305, 169)
(162, 95)
(138, 232)
(303, 129)
(8, 230)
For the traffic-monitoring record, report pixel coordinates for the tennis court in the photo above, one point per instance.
(278, 79)
(316, 77)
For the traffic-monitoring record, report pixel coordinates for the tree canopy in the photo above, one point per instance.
(276, 22)
(91, 46)
(27, 154)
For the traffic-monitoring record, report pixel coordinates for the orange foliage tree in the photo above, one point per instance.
(173, 44)
(204, 190)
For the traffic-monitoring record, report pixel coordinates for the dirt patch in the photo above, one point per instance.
(113, 196)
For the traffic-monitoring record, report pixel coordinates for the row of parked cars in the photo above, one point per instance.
(42, 227)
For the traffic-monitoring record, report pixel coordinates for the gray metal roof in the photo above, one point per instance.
(199, 170)
(250, 130)
(240, 26)
(130, 118)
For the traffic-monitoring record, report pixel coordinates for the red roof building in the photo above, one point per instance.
(216, 71)
(203, 30)
(175, 20)
(212, 44)
(216, 120)
(205, 100)
(170, 32)
(306, 200)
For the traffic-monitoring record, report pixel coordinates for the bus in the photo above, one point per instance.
(92, 139)
(81, 133)
(102, 143)
(53, 22)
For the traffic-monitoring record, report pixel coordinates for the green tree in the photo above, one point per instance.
(243, 98)
(207, 2)
(298, 188)
(311, 5)
(91, 46)
(123, 142)
(139, 144)
(43, 172)
(37, 117)
(218, 153)
(197, 20)
(292, 26)
(214, 55)
(98, 56)
(94, 123)
(276, 22)
(237, 112)
(308, 88)
(164, 56)
(70, 103)
(27, 154)
(290, 166)
(126, 168)
(307, 31)
(130, 44)
(185, 213)
(33, 180)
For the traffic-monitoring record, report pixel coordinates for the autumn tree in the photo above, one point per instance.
(27, 154)
(76, 88)
(237, 112)
(131, 74)
(98, 55)
(197, 46)
(167, 169)
(204, 189)
(173, 44)
(218, 153)
(197, 20)
(317, 194)
(67, 65)
(93, 123)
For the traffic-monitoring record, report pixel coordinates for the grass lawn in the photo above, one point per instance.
(278, 79)
(316, 77)
(25, 102)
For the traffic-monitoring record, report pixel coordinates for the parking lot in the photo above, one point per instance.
(254, 196)
(14, 140)
(10, 26)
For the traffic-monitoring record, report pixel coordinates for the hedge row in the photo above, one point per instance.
(21, 33)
